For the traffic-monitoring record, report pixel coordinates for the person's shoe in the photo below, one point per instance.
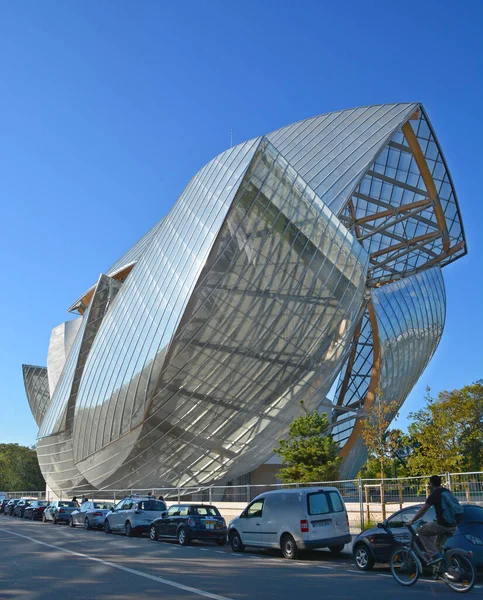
(452, 574)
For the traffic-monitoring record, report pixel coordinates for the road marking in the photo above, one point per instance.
(174, 584)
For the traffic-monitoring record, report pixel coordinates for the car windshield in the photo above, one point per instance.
(205, 511)
(102, 505)
(67, 504)
(152, 505)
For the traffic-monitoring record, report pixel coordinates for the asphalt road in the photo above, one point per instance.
(48, 562)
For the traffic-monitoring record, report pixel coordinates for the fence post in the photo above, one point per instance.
(467, 490)
(367, 504)
(209, 493)
(448, 482)
(248, 493)
(383, 502)
(361, 504)
(179, 497)
(400, 495)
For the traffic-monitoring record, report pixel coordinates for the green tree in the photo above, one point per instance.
(19, 469)
(398, 448)
(374, 431)
(309, 453)
(448, 432)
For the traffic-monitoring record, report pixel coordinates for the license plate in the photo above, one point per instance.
(323, 523)
(209, 524)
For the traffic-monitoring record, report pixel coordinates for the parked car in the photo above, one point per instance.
(35, 510)
(133, 514)
(377, 544)
(20, 507)
(90, 514)
(3, 504)
(59, 510)
(190, 522)
(293, 520)
(11, 504)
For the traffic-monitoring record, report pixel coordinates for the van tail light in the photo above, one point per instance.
(191, 522)
(347, 519)
(97, 514)
(304, 526)
(61, 510)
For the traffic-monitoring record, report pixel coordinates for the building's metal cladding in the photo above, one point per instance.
(37, 387)
(288, 261)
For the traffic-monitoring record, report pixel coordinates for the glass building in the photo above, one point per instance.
(303, 261)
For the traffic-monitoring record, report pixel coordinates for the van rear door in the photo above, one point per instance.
(326, 515)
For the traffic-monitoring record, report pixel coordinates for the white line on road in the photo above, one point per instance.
(174, 584)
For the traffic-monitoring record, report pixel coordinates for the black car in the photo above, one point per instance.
(377, 544)
(3, 504)
(19, 509)
(186, 522)
(35, 510)
(11, 506)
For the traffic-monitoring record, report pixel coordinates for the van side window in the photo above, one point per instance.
(318, 503)
(337, 505)
(255, 509)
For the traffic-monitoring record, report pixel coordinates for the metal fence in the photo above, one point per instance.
(368, 501)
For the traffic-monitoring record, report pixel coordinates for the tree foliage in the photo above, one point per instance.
(309, 453)
(447, 434)
(374, 431)
(19, 469)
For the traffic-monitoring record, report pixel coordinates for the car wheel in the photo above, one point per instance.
(128, 529)
(183, 537)
(288, 546)
(86, 523)
(336, 549)
(107, 527)
(363, 558)
(153, 534)
(44, 519)
(221, 541)
(236, 542)
(71, 522)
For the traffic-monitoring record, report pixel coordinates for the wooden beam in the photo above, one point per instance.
(420, 159)
(406, 244)
(369, 398)
(394, 211)
(350, 362)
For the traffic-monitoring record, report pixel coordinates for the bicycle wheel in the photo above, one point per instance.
(460, 575)
(404, 566)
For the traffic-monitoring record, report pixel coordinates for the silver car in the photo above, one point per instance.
(90, 514)
(133, 514)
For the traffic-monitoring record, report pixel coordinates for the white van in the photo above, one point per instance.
(293, 520)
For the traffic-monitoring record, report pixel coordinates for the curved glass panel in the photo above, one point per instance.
(410, 317)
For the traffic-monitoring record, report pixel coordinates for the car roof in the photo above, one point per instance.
(308, 489)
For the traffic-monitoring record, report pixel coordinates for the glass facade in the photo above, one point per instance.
(279, 268)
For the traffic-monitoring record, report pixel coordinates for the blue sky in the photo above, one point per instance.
(108, 108)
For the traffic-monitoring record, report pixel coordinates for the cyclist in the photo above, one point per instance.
(431, 533)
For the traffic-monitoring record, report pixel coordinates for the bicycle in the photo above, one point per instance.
(454, 567)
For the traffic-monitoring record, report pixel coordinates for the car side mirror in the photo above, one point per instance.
(164, 514)
(243, 515)
(380, 525)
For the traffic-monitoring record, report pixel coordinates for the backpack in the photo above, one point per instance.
(451, 509)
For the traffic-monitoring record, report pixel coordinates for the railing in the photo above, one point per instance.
(367, 500)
